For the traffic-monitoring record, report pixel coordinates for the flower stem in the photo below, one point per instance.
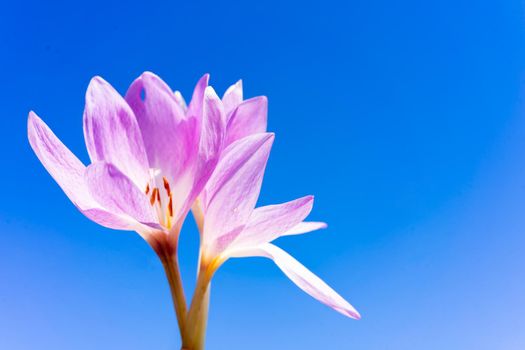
(171, 267)
(198, 313)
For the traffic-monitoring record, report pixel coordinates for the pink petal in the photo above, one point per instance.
(302, 277)
(209, 150)
(68, 172)
(112, 133)
(112, 220)
(250, 117)
(232, 97)
(304, 227)
(233, 189)
(269, 222)
(116, 192)
(195, 107)
(169, 138)
(212, 127)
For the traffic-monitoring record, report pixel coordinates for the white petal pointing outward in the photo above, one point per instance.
(304, 227)
(302, 277)
(271, 221)
(249, 117)
(234, 187)
(116, 192)
(112, 133)
(232, 97)
(68, 172)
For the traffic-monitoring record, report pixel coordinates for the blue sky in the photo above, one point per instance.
(405, 119)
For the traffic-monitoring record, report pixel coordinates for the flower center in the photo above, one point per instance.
(160, 198)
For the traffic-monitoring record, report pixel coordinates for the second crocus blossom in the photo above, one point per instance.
(233, 227)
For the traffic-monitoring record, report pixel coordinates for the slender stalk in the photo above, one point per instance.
(171, 267)
(202, 320)
(198, 313)
(197, 317)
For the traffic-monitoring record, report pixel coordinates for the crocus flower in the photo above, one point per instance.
(233, 227)
(149, 160)
(153, 158)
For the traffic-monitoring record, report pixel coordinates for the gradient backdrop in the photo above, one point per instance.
(406, 119)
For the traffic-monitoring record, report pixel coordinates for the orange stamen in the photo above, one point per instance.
(166, 185)
(170, 206)
(154, 195)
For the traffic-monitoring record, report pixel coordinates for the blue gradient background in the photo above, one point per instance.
(405, 119)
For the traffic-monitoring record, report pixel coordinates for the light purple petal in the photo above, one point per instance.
(232, 98)
(233, 189)
(112, 133)
(212, 127)
(269, 222)
(302, 277)
(112, 220)
(169, 138)
(116, 192)
(68, 172)
(195, 107)
(250, 117)
(209, 151)
(304, 227)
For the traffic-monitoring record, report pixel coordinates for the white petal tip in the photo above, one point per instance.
(209, 92)
(32, 117)
(97, 79)
(350, 312)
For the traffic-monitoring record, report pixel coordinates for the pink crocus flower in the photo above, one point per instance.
(228, 223)
(149, 161)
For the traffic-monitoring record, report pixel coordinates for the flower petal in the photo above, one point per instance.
(269, 222)
(195, 107)
(211, 138)
(180, 100)
(304, 227)
(212, 127)
(68, 172)
(232, 97)
(112, 133)
(250, 117)
(302, 277)
(233, 189)
(116, 192)
(169, 138)
(112, 220)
